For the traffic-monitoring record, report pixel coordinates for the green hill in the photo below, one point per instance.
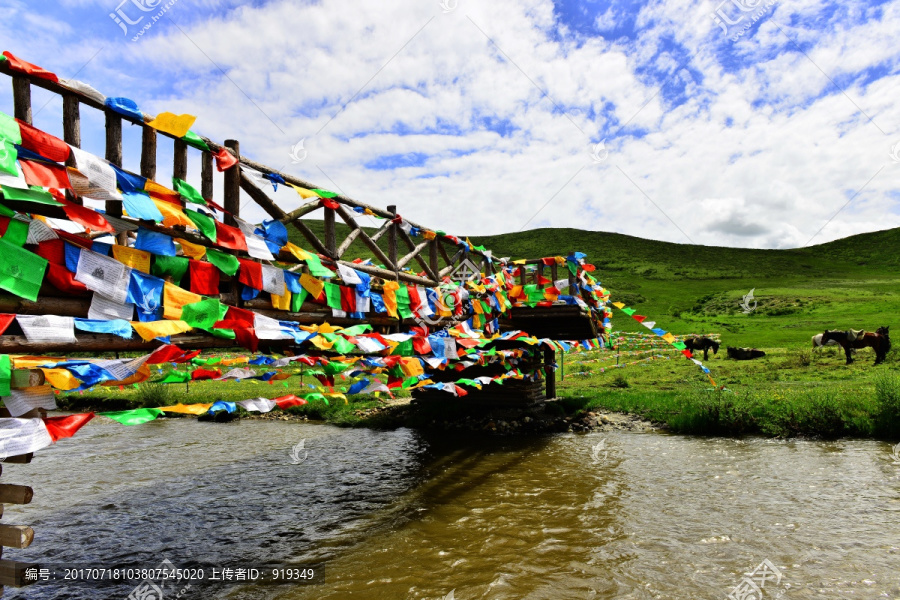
(852, 282)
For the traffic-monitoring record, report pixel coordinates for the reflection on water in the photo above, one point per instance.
(403, 514)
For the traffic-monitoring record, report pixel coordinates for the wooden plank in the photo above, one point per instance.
(180, 162)
(11, 493)
(206, 175)
(148, 153)
(16, 536)
(12, 573)
(232, 199)
(22, 98)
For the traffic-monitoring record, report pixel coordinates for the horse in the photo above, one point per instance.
(702, 343)
(880, 341)
(744, 353)
(817, 342)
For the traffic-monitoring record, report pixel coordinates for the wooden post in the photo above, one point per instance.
(232, 201)
(180, 164)
(148, 153)
(392, 239)
(331, 235)
(71, 133)
(114, 156)
(206, 175)
(22, 98)
(433, 256)
(549, 373)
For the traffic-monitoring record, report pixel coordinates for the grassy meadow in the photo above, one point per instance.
(793, 390)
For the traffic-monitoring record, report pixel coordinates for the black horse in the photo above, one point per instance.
(880, 341)
(702, 343)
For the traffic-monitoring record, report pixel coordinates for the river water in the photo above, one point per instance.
(406, 514)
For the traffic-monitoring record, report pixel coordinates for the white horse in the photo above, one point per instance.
(817, 342)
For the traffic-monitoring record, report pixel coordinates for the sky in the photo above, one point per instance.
(745, 123)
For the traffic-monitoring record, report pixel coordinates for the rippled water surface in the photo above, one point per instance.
(405, 514)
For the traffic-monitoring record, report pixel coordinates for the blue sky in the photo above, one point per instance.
(648, 119)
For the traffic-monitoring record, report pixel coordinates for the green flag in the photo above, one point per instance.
(16, 232)
(133, 417)
(9, 129)
(332, 295)
(29, 195)
(316, 268)
(187, 191)
(324, 193)
(403, 302)
(21, 271)
(170, 266)
(203, 314)
(356, 330)
(176, 377)
(192, 139)
(8, 157)
(297, 300)
(205, 224)
(226, 263)
(311, 397)
(5, 375)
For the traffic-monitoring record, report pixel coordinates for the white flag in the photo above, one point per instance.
(20, 402)
(273, 280)
(21, 436)
(103, 275)
(47, 328)
(348, 275)
(262, 405)
(104, 309)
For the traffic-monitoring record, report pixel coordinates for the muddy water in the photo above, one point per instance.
(404, 514)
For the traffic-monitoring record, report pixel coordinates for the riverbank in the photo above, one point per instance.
(791, 392)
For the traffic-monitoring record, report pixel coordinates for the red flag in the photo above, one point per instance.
(45, 175)
(50, 147)
(550, 261)
(250, 274)
(286, 402)
(421, 345)
(65, 427)
(201, 374)
(639, 318)
(64, 280)
(230, 237)
(348, 299)
(72, 238)
(329, 203)
(204, 278)
(170, 353)
(224, 160)
(17, 64)
(5, 320)
(588, 267)
(84, 216)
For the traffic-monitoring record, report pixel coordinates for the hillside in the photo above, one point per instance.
(851, 282)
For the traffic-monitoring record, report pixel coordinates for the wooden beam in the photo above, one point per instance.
(451, 264)
(300, 212)
(330, 234)
(433, 258)
(232, 200)
(12, 573)
(369, 242)
(71, 134)
(16, 536)
(348, 241)
(22, 98)
(17, 344)
(148, 153)
(180, 163)
(392, 238)
(11, 493)
(416, 253)
(275, 212)
(206, 175)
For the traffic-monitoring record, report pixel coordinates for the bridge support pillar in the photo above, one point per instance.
(550, 372)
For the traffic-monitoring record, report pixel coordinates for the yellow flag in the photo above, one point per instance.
(297, 251)
(152, 186)
(176, 125)
(155, 329)
(187, 409)
(312, 285)
(195, 251)
(174, 298)
(304, 193)
(618, 305)
(172, 215)
(136, 259)
(669, 338)
(61, 379)
(282, 302)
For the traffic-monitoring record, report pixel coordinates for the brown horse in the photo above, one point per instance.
(696, 344)
(880, 341)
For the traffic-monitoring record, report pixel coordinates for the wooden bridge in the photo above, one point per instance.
(536, 304)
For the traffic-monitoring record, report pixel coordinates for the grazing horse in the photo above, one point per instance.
(817, 342)
(702, 343)
(880, 341)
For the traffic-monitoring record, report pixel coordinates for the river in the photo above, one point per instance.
(407, 514)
